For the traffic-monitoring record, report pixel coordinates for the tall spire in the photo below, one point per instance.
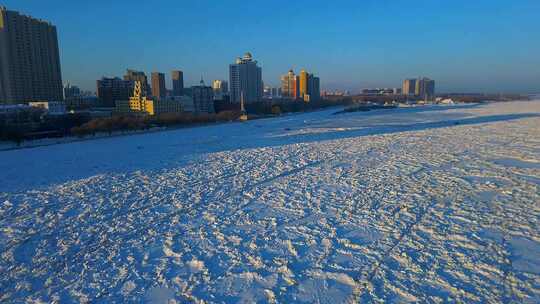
(243, 113)
(242, 107)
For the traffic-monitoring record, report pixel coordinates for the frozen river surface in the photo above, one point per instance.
(429, 204)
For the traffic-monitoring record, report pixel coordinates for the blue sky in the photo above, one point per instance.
(465, 45)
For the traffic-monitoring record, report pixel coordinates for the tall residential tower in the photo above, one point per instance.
(245, 76)
(305, 86)
(159, 90)
(409, 87)
(423, 88)
(177, 83)
(29, 59)
(289, 85)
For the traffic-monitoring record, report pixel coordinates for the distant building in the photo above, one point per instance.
(289, 85)
(221, 88)
(185, 101)
(71, 91)
(19, 114)
(381, 91)
(305, 86)
(137, 104)
(409, 87)
(177, 83)
(425, 89)
(203, 98)
(81, 102)
(245, 76)
(314, 88)
(133, 76)
(267, 92)
(10, 111)
(271, 92)
(110, 90)
(29, 59)
(159, 90)
(168, 106)
(51, 107)
(304, 83)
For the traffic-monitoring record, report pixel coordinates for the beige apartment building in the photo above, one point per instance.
(29, 59)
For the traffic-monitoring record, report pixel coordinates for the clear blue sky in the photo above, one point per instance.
(465, 45)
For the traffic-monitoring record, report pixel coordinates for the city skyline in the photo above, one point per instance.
(468, 47)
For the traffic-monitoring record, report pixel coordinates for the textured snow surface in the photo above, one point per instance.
(429, 204)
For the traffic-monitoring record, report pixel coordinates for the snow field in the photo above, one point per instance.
(399, 206)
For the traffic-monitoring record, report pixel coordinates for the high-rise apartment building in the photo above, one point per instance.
(289, 85)
(305, 86)
(133, 76)
(409, 87)
(110, 90)
(314, 88)
(419, 87)
(177, 83)
(29, 59)
(159, 90)
(245, 77)
(425, 88)
(303, 81)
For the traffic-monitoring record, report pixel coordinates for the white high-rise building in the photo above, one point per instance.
(245, 76)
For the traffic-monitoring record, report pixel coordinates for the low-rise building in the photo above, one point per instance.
(139, 104)
(13, 108)
(167, 106)
(52, 107)
(109, 90)
(185, 101)
(81, 102)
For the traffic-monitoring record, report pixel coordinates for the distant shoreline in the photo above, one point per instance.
(11, 146)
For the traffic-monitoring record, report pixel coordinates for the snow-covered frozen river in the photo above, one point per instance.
(429, 204)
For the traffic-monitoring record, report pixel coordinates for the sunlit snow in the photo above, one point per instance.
(423, 204)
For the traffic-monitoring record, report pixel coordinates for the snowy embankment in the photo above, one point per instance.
(427, 204)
